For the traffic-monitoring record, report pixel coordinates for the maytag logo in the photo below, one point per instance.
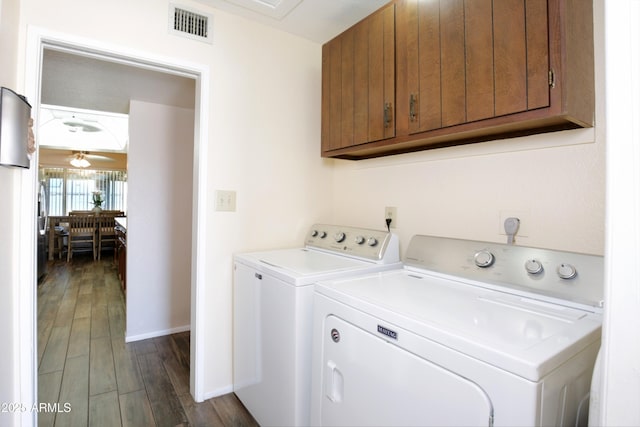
(388, 332)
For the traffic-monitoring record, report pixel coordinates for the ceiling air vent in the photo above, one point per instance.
(187, 23)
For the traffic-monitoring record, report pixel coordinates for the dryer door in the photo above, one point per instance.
(368, 381)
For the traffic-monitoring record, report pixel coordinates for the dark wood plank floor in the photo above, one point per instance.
(85, 364)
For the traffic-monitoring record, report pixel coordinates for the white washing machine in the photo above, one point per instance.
(273, 314)
(467, 333)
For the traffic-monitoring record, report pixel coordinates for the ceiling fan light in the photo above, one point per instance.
(79, 161)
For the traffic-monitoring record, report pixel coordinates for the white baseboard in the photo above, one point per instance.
(154, 334)
(218, 392)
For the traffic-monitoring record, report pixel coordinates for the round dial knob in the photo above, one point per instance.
(567, 271)
(484, 259)
(323, 234)
(314, 233)
(372, 241)
(339, 236)
(533, 266)
(359, 240)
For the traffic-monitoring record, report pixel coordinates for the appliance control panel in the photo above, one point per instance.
(557, 276)
(375, 245)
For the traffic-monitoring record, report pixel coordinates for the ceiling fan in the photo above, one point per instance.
(82, 125)
(80, 159)
(86, 130)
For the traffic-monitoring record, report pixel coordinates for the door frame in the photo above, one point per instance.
(37, 40)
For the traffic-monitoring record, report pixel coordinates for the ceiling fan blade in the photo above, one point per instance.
(99, 157)
(89, 156)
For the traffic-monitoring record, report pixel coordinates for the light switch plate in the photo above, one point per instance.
(225, 201)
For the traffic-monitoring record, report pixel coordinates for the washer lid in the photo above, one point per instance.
(306, 262)
(303, 266)
(527, 337)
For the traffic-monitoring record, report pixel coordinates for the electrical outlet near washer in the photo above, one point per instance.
(391, 212)
(523, 216)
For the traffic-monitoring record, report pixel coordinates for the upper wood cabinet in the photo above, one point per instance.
(358, 83)
(475, 70)
(473, 60)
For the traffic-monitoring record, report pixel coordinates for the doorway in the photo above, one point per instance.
(38, 41)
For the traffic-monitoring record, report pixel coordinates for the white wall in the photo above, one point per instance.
(8, 176)
(558, 192)
(13, 361)
(264, 128)
(621, 330)
(160, 185)
(265, 145)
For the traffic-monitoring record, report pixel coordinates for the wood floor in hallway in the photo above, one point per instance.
(89, 376)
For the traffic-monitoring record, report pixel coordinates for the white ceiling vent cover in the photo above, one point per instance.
(188, 23)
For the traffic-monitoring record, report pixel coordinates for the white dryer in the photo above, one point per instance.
(467, 333)
(273, 314)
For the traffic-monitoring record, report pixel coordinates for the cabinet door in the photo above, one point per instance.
(473, 60)
(358, 83)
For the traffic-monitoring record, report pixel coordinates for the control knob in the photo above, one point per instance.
(484, 259)
(372, 241)
(359, 240)
(314, 233)
(533, 266)
(339, 236)
(567, 271)
(323, 234)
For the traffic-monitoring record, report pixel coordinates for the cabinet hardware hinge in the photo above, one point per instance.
(552, 78)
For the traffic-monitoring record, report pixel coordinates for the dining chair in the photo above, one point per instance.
(106, 232)
(82, 234)
(81, 213)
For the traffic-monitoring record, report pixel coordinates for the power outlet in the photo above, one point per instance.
(391, 212)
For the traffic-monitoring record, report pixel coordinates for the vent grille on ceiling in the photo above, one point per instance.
(190, 24)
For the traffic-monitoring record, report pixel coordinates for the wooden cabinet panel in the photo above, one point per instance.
(346, 89)
(480, 89)
(538, 54)
(358, 92)
(510, 56)
(381, 67)
(452, 62)
(362, 84)
(473, 60)
(423, 75)
(466, 71)
(331, 99)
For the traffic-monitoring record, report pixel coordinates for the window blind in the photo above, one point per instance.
(72, 189)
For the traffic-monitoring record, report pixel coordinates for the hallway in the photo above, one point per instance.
(89, 376)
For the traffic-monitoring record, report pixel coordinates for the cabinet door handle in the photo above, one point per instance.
(413, 100)
(388, 110)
